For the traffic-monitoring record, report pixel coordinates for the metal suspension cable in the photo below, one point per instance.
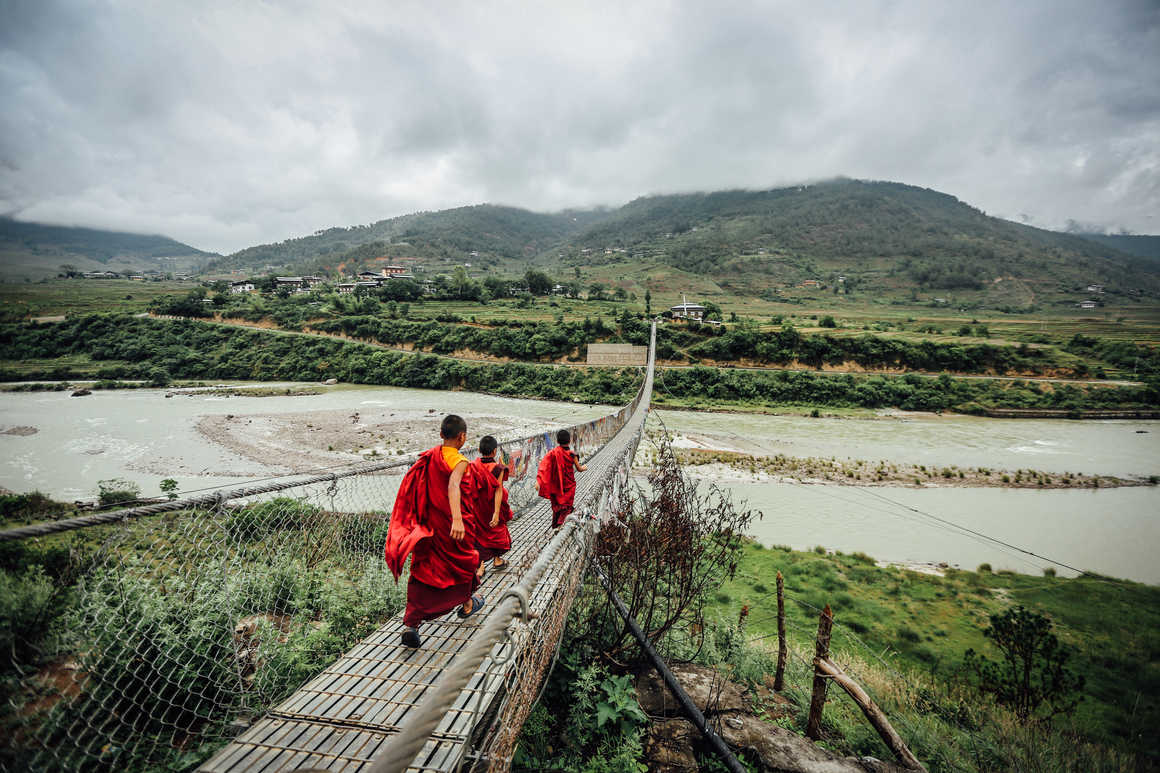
(694, 714)
(401, 751)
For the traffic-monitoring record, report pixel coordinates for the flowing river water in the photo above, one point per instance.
(143, 436)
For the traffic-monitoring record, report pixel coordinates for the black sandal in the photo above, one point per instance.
(476, 605)
(411, 638)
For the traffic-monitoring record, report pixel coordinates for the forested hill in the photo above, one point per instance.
(494, 232)
(878, 232)
(1133, 244)
(35, 250)
(879, 237)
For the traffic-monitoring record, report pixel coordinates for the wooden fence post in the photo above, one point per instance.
(873, 714)
(821, 652)
(782, 646)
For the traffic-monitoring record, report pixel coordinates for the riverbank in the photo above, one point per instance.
(309, 440)
(725, 465)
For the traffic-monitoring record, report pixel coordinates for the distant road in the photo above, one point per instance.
(494, 361)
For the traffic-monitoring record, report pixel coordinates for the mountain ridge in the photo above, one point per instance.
(39, 250)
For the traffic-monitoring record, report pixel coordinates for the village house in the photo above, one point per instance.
(393, 271)
(101, 275)
(241, 286)
(1086, 304)
(686, 310)
(812, 283)
(1098, 289)
(291, 283)
(344, 288)
(370, 276)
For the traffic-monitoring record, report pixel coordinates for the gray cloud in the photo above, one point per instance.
(227, 124)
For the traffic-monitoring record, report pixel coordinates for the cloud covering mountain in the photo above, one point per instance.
(229, 124)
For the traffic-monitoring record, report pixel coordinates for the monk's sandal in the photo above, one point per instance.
(411, 638)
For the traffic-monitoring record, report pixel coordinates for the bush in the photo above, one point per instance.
(29, 610)
(252, 522)
(115, 491)
(1031, 677)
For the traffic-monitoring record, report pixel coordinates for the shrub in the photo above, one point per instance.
(29, 610)
(115, 491)
(1031, 677)
(252, 522)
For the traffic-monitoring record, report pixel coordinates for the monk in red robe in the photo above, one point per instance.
(432, 522)
(491, 506)
(556, 477)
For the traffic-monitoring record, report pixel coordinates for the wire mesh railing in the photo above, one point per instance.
(149, 635)
(549, 586)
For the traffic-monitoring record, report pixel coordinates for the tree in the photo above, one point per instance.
(169, 488)
(1031, 676)
(647, 303)
(827, 321)
(713, 311)
(538, 282)
(620, 294)
(596, 292)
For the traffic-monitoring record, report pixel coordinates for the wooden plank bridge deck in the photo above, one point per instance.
(344, 717)
(340, 719)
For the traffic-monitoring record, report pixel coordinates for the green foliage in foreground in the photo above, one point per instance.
(600, 731)
(1031, 672)
(172, 641)
(922, 625)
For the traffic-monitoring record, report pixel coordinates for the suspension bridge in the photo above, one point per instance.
(190, 613)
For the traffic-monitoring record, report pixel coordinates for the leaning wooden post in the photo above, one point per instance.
(870, 709)
(821, 652)
(782, 646)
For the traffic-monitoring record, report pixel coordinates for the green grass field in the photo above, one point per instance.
(917, 622)
(82, 296)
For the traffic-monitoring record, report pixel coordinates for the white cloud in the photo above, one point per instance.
(225, 124)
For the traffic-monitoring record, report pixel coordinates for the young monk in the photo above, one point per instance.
(433, 523)
(556, 477)
(492, 510)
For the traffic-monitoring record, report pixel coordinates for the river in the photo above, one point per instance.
(144, 436)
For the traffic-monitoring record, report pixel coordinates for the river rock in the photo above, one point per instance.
(710, 691)
(81, 393)
(784, 751)
(669, 748)
(330, 381)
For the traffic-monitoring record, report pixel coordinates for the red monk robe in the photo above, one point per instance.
(442, 568)
(487, 479)
(556, 480)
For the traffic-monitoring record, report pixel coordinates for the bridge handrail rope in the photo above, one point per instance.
(402, 749)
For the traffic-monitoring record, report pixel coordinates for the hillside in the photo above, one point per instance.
(497, 233)
(879, 240)
(36, 251)
(1141, 246)
(879, 236)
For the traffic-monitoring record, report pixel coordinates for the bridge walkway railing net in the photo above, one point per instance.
(154, 634)
(462, 698)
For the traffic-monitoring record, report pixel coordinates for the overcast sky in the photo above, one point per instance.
(225, 124)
